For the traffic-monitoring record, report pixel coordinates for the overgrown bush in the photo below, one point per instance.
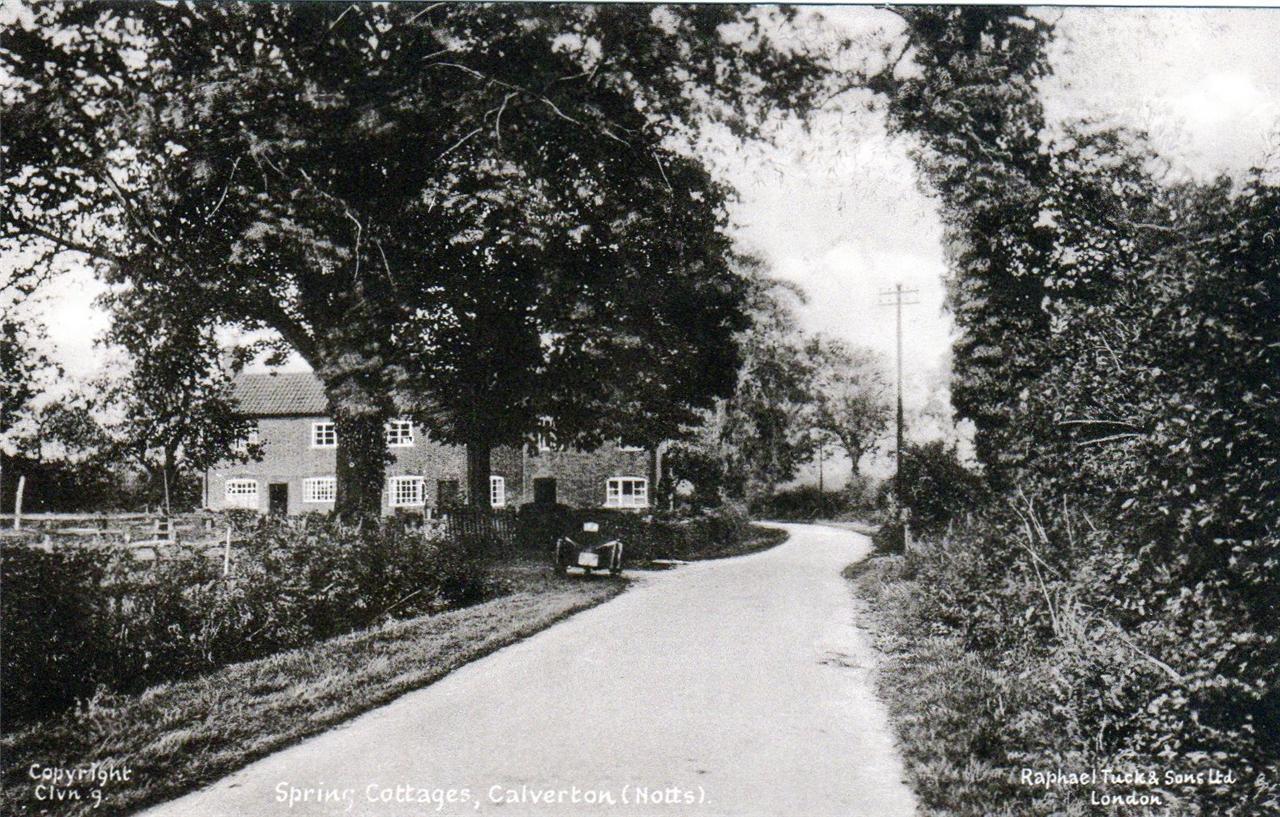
(934, 485)
(1062, 655)
(75, 619)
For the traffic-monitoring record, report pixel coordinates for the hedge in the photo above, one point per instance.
(77, 619)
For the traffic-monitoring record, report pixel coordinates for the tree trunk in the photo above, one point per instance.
(478, 471)
(362, 463)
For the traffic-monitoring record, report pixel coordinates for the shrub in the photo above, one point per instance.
(804, 502)
(1092, 663)
(77, 619)
(934, 485)
(645, 536)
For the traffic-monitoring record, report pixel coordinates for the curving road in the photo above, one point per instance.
(734, 687)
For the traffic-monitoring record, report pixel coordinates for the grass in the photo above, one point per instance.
(176, 737)
(963, 726)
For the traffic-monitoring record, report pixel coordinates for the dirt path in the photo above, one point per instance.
(735, 687)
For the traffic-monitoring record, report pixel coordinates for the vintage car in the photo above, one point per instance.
(588, 550)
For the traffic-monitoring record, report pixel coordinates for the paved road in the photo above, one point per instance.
(735, 687)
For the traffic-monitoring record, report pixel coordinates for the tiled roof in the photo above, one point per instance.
(280, 394)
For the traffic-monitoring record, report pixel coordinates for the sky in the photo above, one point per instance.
(837, 209)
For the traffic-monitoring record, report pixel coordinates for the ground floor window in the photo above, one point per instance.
(627, 492)
(406, 492)
(319, 489)
(242, 493)
(497, 492)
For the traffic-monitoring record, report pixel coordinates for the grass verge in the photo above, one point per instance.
(964, 727)
(176, 737)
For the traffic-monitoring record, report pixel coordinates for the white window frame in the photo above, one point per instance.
(324, 434)
(236, 493)
(319, 490)
(615, 498)
(400, 434)
(497, 491)
(416, 499)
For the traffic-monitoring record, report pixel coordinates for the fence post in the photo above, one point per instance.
(17, 503)
(226, 554)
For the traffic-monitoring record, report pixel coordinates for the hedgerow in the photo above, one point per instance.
(1119, 357)
(78, 620)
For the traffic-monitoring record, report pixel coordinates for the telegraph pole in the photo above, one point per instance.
(898, 298)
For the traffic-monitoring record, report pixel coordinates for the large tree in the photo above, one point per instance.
(453, 200)
(970, 104)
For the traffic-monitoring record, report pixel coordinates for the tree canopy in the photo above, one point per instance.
(450, 206)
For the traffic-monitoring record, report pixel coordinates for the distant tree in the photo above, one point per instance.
(467, 197)
(851, 396)
(762, 434)
(170, 412)
(22, 367)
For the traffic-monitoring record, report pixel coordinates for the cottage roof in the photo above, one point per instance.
(280, 394)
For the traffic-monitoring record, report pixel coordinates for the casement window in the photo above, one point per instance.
(319, 489)
(242, 493)
(324, 435)
(406, 492)
(627, 492)
(497, 492)
(400, 434)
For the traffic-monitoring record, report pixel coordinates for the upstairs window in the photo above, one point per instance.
(406, 492)
(242, 493)
(627, 492)
(544, 439)
(247, 438)
(324, 435)
(497, 492)
(400, 434)
(319, 489)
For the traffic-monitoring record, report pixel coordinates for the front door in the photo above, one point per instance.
(544, 491)
(278, 498)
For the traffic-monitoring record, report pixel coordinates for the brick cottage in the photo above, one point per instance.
(299, 444)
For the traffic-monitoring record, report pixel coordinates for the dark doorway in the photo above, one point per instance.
(544, 491)
(446, 493)
(278, 498)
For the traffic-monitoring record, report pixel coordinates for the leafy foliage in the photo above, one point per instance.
(21, 369)
(74, 623)
(1118, 358)
(481, 204)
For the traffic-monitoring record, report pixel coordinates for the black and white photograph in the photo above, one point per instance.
(541, 409)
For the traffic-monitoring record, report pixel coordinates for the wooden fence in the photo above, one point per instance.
(492, 532)
(151, 537)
